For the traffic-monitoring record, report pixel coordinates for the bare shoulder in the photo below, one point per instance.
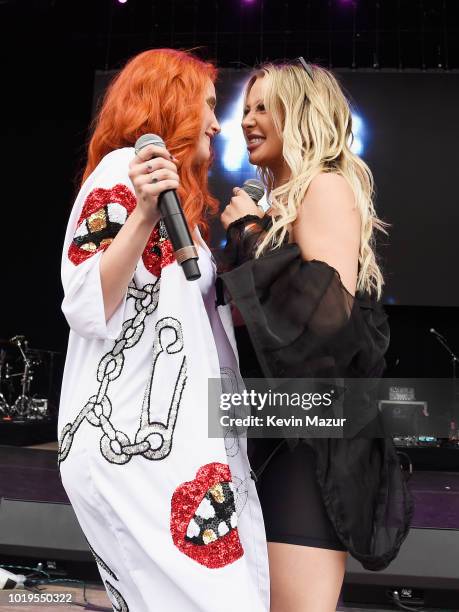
(328, 224)
(329, 206)
(330, 191)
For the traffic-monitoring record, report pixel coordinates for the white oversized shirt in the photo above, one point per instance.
(171, 514)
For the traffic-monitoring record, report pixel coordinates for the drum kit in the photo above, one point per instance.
(18, 369)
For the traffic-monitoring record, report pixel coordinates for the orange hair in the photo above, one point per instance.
(160, 91)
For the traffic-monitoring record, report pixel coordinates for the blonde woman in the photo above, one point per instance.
(307, 283)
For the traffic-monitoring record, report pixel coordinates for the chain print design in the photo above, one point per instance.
(231, 383)
(101, 563)
(241, 493)
(153, 440)
(120, 604)
(156, 429)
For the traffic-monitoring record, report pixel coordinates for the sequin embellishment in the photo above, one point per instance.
(203, 517)
(104, 213)
(113, 593)
(159, 252)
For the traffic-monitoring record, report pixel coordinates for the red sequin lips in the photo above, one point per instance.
(104, 213)
(203, 517)
(158, 253)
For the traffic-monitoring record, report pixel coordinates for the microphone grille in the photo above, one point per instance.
(149, 139)
(254, 188)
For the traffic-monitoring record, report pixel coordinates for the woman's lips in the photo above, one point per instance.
(203, 517)
(254, 144)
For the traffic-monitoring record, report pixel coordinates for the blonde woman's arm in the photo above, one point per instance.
(328, 227)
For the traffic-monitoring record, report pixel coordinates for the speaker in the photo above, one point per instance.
(425, 573)
(41, 530)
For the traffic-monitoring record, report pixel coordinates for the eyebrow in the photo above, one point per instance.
(259, 101)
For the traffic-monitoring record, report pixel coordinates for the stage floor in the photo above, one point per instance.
(98, 600)
(31, 474)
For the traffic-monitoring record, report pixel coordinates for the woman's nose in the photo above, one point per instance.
(216, 127)
(248, 121)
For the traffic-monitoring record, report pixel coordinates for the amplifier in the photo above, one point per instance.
(425, 573)
(43, 528)
(47, 533)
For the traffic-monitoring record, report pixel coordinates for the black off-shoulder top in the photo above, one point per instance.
(303, 323)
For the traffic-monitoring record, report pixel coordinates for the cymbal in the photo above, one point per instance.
(18, 339)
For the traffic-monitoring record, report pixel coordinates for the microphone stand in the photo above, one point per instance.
(454, 361)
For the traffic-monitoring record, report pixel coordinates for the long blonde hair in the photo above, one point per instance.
(314, 120)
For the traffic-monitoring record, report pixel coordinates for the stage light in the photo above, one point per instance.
(359, 132)
(122, 1)
(235, 150)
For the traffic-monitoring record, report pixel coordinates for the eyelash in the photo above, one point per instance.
(259, 107)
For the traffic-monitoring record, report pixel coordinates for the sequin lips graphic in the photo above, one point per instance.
(104, 213)
(203, 517)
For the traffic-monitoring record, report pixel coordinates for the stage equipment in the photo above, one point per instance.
(26, 417)
(404, 419)
(425, 573)
(4, 406)
(45, 533)
(25, 406)
(454, 431)
(41, 529)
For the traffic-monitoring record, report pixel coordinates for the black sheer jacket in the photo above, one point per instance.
(303, 323)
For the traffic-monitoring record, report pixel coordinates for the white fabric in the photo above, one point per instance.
(122, 493)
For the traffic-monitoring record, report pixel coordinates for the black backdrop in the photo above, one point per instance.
(408, 129)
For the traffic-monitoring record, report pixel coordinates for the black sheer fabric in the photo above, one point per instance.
(303, 323)
(243, 237)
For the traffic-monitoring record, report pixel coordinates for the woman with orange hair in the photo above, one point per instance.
(171, 515)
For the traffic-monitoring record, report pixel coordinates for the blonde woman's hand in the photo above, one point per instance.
(241, 204)
(152, 171)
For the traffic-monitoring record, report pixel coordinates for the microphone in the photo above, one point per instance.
(435, 333)
(254, 188)
(174, 220)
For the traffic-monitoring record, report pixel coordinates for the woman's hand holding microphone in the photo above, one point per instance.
(245, 223)
(152, 171)
(241, 204)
